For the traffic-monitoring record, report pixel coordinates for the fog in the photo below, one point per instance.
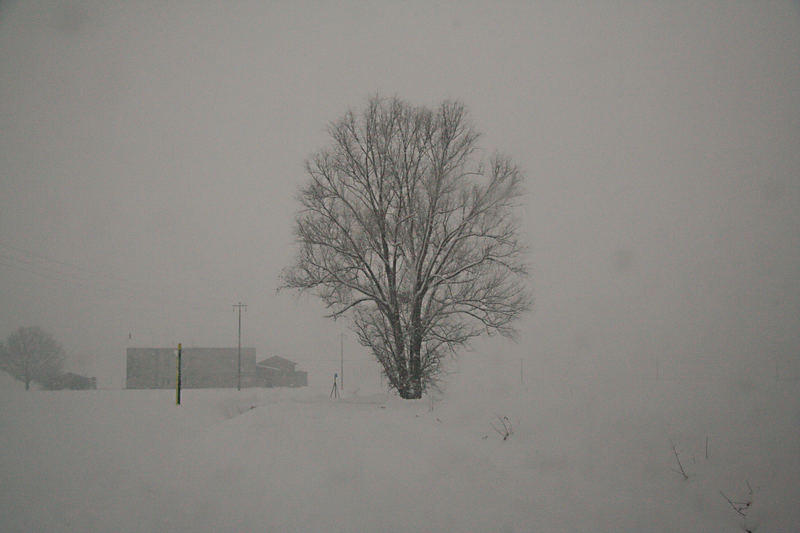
(151, 155)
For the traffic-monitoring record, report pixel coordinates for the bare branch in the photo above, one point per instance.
(406, 231)
(678, 460)
(740, 507)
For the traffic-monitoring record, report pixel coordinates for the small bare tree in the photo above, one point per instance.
(31, 354)
(406, 231)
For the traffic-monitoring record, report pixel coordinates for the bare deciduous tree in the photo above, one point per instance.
(404, 229)
(31, 354)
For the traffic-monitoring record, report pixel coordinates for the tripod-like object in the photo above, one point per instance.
(335, 389)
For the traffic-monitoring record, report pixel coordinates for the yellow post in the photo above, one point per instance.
(178, 380)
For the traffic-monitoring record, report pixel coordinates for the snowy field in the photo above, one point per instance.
(584, 456)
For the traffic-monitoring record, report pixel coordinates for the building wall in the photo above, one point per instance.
(150, 368)
(69, 380)
(156, 368)
(277, 377)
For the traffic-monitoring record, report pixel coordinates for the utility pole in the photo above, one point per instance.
(239, 306)
(178, 378)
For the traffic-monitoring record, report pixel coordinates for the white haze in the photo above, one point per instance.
(151, 153)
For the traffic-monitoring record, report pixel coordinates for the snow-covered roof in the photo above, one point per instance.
(276, 361)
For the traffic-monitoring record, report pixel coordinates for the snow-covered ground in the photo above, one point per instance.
(585, 456)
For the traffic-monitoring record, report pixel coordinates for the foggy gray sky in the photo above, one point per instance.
(150, 155)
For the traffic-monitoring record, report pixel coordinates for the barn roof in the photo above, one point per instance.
(276, 361)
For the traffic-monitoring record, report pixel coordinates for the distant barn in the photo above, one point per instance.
(155, 368)
(279, 372)
(72, 381)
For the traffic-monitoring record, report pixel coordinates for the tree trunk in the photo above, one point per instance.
(409, 383)
(415, 347)
(414, 376)
(412, 390)
(412, 382)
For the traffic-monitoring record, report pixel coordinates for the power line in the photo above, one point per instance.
(36, 259)
(240, 305)
(78, 276)
(94, 273)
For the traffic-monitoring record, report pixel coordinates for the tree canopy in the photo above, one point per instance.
(31, 354)
(412, 235)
